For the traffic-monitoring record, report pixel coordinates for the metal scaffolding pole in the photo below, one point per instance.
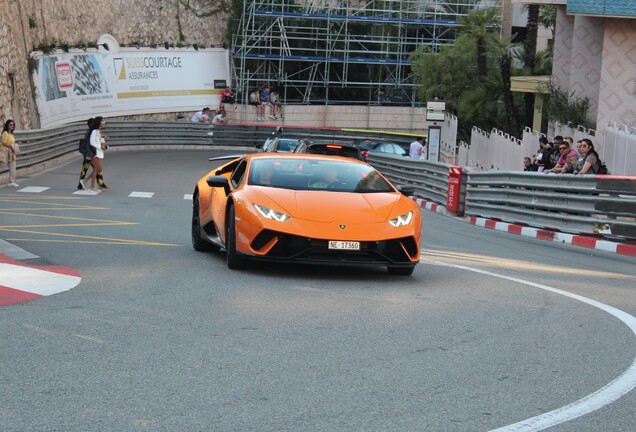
(341, 51)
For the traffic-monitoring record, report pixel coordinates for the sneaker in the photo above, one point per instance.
(105, 186)
(282, 116)
(83, 185)
(273, 117)
(14, 184)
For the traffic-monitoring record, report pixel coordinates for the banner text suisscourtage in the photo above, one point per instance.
(153, 62)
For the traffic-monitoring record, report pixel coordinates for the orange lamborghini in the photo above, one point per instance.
(308, 209)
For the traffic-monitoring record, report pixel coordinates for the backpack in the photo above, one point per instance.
(602, 169)
(85, 147)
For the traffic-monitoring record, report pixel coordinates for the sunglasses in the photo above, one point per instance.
(563, 148)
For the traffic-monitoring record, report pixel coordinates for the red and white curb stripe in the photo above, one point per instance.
(21, 282)
(541, 234)
(577, 240)
(428, 205)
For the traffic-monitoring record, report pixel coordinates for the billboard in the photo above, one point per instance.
(75, 86)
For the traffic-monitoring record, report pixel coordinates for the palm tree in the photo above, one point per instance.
(504, 48)
(480, 26)
(530, 48)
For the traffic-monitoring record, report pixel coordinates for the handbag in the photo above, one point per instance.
(15, 148)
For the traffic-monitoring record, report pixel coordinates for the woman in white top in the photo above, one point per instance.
(99, 143)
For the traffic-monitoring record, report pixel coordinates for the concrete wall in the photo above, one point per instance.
(29, 24)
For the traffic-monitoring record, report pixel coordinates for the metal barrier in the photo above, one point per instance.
(429, 179)
(587, 204)
(43, 148)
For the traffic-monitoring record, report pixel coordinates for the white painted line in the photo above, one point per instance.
(609, 393)
(141, 194)
(187, 197)
(33, 189)
(15, 252)
(86, 192)
(36, 281)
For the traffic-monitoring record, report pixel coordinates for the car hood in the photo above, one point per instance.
(322, 206)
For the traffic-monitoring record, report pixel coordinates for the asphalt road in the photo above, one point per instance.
(492, 329)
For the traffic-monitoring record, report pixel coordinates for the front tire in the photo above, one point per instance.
(401, 271)
(234, 261)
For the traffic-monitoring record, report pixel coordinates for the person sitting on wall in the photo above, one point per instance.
(220, 117)
(202, 116)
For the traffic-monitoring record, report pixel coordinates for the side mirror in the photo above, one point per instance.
(218, 181)
(406, 190)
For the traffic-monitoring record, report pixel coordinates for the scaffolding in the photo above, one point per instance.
(341, 51)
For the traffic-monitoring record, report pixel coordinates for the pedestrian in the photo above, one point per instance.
(416, 149)
(220, 117)
(202, 116)
(592, 162)
(88, 154)
(227, 97)
(274, 98)
(99, 144)
(10, 150)
(255, 100)
(528, 165)
(266, 102)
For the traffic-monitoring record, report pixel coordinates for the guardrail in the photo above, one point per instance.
(429, 179)
(588, 204)
(46, 147)
(577, 204)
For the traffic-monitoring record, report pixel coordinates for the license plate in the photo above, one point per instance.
(345, 245)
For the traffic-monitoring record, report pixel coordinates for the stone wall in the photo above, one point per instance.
(29, 25)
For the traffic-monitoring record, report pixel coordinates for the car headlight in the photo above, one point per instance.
(271, 214)
(402, 220)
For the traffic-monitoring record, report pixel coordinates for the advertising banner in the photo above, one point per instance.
(75, 86)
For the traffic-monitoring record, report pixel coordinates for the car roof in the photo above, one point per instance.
(307, 156)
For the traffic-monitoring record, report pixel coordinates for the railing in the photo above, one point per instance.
(577, 204)
(43, 148)
(587, 204)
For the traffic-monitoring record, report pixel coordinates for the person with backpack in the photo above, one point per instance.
(592, 163)
(87, 151)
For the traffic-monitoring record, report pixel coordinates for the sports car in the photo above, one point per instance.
(305, 208)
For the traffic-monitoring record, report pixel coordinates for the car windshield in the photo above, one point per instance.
(286, 145)
(318, 175)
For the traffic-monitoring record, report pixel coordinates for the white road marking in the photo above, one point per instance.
(33, 189)
(141, 194)
(36, 281)
(86, 192)
(187, 197)
(609, 393)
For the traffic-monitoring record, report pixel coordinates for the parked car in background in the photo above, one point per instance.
(330, 149)
(279, 145)
(379, 146)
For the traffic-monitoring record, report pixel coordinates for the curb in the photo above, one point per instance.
(22, 282)
(589, 242)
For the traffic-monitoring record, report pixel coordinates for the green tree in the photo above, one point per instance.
(480, 27)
